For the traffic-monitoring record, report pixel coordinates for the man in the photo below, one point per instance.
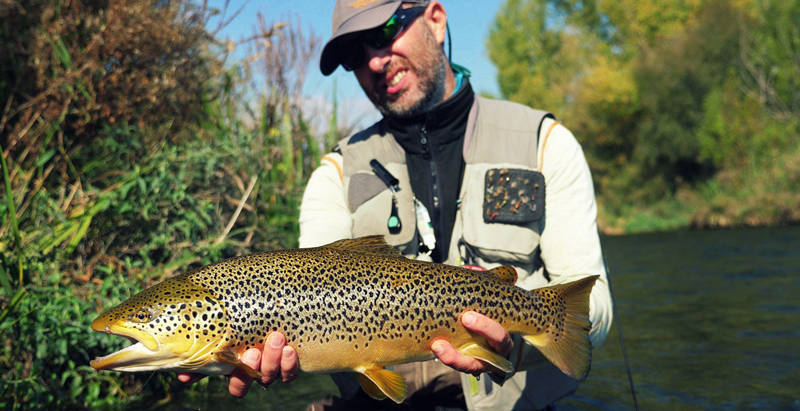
(452, 178)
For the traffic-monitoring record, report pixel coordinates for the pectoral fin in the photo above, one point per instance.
(229, 357)
(380, 383)
(194, 364)
(484, 354)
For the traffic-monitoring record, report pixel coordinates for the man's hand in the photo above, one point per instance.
(496, 336)
(277, 360)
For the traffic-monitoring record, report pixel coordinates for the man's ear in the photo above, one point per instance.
(436, 19)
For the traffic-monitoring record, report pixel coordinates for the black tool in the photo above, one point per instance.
(385, 176)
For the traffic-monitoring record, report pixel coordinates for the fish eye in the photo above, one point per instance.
(142, 315)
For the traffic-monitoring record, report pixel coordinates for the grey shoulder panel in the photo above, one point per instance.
(368, 144)
(362, 187)
(506, 132)
(364, 134)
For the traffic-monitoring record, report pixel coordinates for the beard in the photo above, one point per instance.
(430, 70)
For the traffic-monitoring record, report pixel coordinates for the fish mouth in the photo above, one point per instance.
(123, 359)
(143, 355)
(135, 336)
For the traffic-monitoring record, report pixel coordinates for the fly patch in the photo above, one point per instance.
(513, 196)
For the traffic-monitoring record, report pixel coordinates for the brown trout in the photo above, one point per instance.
(353, 305)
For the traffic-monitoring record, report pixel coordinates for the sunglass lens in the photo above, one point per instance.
(380, 37)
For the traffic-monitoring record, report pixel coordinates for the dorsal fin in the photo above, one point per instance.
(505, 273)
(373, 244)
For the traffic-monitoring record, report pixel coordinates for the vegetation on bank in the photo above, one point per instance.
(688, 112)
(130, 154)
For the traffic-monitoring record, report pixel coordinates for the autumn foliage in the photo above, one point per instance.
(70, 68)
(688, 111)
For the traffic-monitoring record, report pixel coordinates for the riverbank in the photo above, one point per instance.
(665, 217)
(764, 193)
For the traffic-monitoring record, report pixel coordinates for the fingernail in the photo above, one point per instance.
(437, 347)
(288, 350)
(276, 340)
(251, 355)
(469, 319)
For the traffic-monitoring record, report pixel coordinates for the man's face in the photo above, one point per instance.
(408, 76)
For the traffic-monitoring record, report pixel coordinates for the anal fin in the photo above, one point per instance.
(229, 357)
(380, 383)
(482, 353)
(370, 388)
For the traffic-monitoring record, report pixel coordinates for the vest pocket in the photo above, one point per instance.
(494, 232)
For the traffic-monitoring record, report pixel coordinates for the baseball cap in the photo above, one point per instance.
(352, 16)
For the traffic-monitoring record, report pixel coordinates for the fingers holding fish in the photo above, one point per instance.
(188, 378)
(496, 336)
(271, 358)
(450, 357)
(289, 364)
(240, 382)
(277, 360)
(472, 358)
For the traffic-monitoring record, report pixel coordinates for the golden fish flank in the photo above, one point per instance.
(353, 305)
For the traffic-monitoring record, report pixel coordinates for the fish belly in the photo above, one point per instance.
(363, 352)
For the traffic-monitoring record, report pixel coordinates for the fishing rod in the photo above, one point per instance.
(621, 338)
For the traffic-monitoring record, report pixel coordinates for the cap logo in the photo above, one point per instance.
(361, 3)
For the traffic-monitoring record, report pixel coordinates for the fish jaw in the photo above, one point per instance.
(146, 353)
(174, 325)
(102, 324)
(136, 357)
(196, 356)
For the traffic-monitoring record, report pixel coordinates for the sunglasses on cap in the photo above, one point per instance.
(380, 36)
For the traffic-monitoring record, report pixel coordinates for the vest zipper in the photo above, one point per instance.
(436, 194)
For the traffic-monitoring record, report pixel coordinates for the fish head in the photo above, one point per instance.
(174, 325)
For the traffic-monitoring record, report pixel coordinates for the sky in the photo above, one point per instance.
(470, 21)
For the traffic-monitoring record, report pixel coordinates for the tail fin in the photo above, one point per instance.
(567, 345)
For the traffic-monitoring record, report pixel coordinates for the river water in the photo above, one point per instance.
(711, 320)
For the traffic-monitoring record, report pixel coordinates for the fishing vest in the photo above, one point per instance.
(500, 213)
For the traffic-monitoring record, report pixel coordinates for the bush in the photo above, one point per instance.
(127, 158)
(47, 348)
(71, 68)
(166, 214)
